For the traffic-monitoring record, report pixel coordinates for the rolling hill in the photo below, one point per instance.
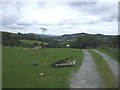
(52, 40)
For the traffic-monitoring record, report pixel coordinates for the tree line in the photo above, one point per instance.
(89, 41)
(10, 39)
(86, 41)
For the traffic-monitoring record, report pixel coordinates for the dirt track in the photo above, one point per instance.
(113, 65)
(87, 76)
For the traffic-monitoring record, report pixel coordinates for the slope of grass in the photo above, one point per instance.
(109, 81)
(30, 42)
(113, 53)
(18, 71)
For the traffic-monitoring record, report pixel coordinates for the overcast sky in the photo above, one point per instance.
(60, 17)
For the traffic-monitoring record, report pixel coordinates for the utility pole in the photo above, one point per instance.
(42, 44)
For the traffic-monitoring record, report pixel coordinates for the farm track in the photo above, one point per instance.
(87, 76)
(113, 64)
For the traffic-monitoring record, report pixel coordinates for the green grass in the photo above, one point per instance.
(30, 42)
(109, 81)
(18, 71)
(113, 53)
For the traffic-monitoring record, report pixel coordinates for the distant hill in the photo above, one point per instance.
(62, 37)
(66, 36)
(52, 40)
(27, 40)
(74, 36)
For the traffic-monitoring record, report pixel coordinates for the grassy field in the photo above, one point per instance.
(18, 71)
(109, 81)
(31, 42)
(113, 53)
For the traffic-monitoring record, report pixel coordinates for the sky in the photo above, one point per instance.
(63, 17)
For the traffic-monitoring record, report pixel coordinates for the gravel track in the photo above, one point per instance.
(113, 64)
(87, 76)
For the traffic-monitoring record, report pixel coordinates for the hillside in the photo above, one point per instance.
(31, 42)
(53, 41)
(98, 36)
(62, 37)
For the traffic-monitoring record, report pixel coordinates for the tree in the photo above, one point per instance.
(115, 41)
(35, 44)
(86, 41)
(6, 36)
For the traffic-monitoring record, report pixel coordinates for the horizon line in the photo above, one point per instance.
(63, 34)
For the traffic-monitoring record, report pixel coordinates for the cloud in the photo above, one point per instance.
(11, 19)
(10, 14)
(24, 23)
(15, 26)
(106, 10)
(60, 17)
